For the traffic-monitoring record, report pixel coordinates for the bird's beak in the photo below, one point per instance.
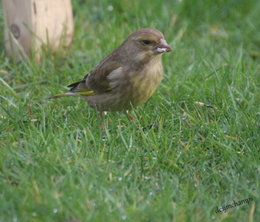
(163, 47)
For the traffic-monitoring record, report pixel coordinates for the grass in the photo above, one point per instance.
(56, 165)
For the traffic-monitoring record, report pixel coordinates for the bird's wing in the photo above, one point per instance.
(95, 82)
(98, 80)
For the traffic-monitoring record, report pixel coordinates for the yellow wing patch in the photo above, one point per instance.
(85, 93)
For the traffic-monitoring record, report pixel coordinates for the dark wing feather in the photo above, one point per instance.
(79, 84)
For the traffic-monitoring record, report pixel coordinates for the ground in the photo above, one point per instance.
(201, 154)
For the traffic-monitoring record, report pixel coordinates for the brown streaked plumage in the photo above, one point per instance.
(128, 76)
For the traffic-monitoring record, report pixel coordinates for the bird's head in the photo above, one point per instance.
(146, 43)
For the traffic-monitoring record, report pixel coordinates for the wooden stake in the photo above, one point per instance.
(31, 24)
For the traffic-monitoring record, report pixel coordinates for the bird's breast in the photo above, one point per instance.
(142, 84)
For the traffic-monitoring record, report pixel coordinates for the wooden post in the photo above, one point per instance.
(30, 24)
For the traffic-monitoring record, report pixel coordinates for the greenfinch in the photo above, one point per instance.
(127, 77)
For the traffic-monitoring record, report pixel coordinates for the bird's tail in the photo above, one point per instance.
(62, 95)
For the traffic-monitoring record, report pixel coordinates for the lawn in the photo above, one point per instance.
(201, 153)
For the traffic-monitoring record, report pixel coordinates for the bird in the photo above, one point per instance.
(127, 77)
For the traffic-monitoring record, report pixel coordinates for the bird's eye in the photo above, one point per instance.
(147, 42)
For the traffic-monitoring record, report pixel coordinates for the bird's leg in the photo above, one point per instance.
(151, 126)
(130, 117)
(100, 116)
